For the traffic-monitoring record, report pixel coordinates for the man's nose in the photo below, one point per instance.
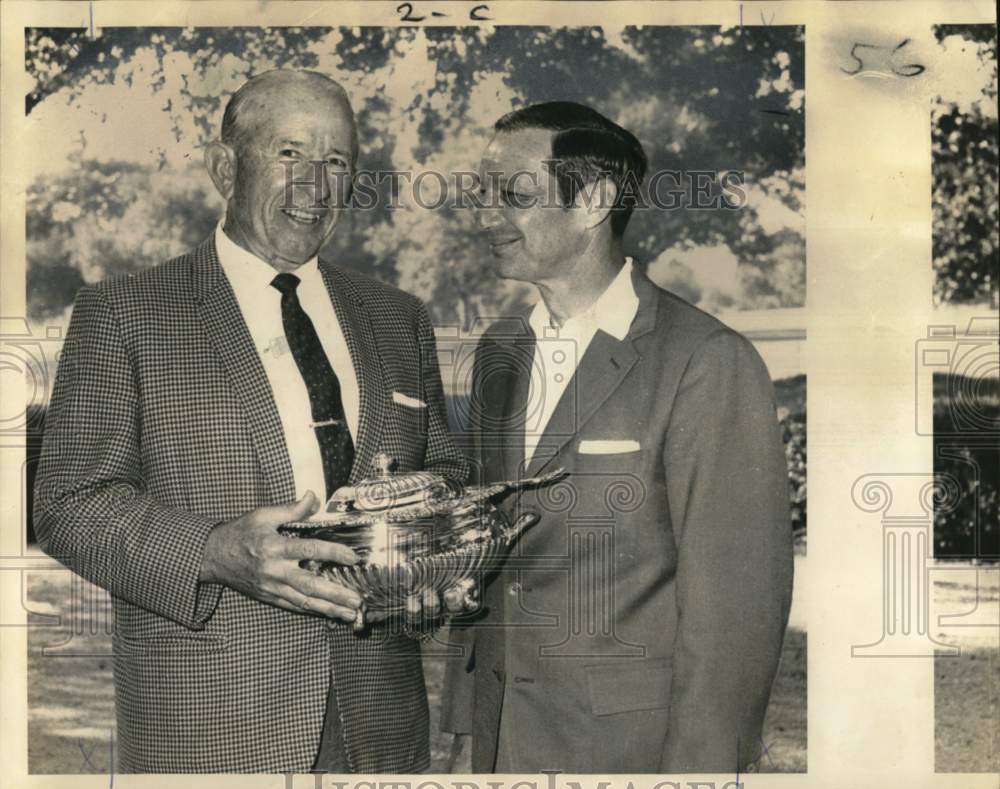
(487, 217)
(323, 186)
(313, 179)
(310, 181)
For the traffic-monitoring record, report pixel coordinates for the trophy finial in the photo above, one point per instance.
(384, 463)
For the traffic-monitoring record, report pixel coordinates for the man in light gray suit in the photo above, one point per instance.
(638, 626)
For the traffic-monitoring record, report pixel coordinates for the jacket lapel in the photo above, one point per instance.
(601, 371)
(227, 331)
(520, 356)
(505, 362)
(355, 320)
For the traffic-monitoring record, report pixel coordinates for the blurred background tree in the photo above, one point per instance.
(121, 119)
(964, 138)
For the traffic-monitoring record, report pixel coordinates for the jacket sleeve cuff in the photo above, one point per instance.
(161, 568)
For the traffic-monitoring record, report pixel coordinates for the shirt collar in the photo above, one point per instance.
(612, 312)
(243, 268)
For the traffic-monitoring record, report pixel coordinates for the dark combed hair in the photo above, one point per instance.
(586, 146)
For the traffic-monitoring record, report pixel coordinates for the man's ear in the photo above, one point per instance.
(597, 200)
(220, 161)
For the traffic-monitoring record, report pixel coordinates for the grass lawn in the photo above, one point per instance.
(967, 720)
(71, 696)
(785, 722)
(967, 687)
(70, 690)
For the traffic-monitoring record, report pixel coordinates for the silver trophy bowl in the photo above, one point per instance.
(415, 532)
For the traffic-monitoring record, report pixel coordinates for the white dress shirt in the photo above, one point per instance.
(260, 303)
(558, 350)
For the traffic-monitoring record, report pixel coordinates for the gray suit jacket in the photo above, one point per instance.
(161, 424)
(637, 627)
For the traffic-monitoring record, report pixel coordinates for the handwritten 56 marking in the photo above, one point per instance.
(859, 49)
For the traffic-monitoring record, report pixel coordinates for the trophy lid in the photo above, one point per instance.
(400, 497)
(389, 489)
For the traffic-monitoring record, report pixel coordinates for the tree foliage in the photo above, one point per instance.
(699, 98)
(965, 177)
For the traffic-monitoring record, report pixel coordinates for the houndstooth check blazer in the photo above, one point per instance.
(162, 424)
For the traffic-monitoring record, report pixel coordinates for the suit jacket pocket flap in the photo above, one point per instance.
(608, 447)
(629, 687)
(409, 402)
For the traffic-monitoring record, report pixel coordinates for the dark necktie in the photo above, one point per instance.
(335, 444)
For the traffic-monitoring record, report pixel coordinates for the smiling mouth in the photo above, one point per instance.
(302, 217)
(499, 243)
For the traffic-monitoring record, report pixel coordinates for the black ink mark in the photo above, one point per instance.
(861, 63)
(906, 70)
(90, 31)
(767, 753)
(909, 70)
(406, 11)
(776, 112)
(86, 755)
(912, 69)
(476, 14)
(737, 761)
(438, 13)
(766, 23)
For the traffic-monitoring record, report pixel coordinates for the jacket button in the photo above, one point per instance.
(514, 589)
(498, 674)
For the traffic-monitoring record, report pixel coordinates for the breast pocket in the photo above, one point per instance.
(609, 483)
(406, 437)
(609, 487)
(608, 447)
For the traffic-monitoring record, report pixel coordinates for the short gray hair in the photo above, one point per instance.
(245, 102)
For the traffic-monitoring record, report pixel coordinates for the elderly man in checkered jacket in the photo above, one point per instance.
(202, 403)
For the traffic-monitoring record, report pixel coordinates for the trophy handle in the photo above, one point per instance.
(524, 521)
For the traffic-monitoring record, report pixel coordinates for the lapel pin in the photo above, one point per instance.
(277, 347)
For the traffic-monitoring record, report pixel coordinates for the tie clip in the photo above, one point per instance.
(326, 423)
